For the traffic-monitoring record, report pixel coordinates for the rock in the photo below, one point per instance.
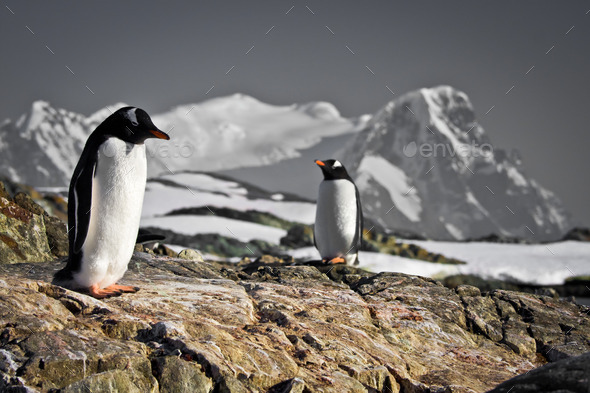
(299, 235)
(27, 203)
(573, 286)
(495, 238)
(482, 316)
(190, 255)
(377, 240)
(57, 236)
(212, 243)
(294, 385)
(547, 292)
(115, 381)
(342, 273)
(177, 375)
(22, 235)
(27, 232)
(475, 281)
(161, 249)
(578, 234)
(571, 375)
(255, 216)
(558, 327)
(467, 290)
(274, 326)
(3, 192)
(376, 378)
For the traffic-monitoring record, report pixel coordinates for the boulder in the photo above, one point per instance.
(27, 231)
(571, 375)
(22, 234)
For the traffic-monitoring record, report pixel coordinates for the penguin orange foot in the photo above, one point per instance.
(334, 261)
(111, 291)
(103, 293)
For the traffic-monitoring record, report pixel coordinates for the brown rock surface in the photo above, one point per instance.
(206, 326)
(27, 232)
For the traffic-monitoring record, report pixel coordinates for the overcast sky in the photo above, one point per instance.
(83, 56)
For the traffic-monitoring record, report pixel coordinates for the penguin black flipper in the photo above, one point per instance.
(79, 212)
(358, 235)
(81, 194)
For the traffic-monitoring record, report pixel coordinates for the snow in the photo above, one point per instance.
(376, 262)
(546, 264)
(196, 190)
(394, 180)
(240, 131)
(222, 133)
(436, 114)
(542, 264)
(517, 177)
(454, 231)
(204, 182)
(193, 225)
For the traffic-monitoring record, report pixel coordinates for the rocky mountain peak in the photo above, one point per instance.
(425, 164)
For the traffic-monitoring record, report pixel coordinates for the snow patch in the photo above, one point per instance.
(543, 264)
(193, 225)
(517, 177)
(394, 180)
(186, 190)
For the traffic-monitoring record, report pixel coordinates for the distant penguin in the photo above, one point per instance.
(339, 217)
(105, 201)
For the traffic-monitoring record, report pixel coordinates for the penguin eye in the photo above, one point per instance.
(132, 116)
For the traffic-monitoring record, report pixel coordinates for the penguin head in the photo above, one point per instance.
(133, 125)
(332, 169)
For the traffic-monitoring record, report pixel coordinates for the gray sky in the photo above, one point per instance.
(160, 54)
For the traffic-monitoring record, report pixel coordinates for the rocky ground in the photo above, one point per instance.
(267, 326)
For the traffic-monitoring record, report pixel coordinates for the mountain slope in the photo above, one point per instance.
(424, 164)
(43, 146)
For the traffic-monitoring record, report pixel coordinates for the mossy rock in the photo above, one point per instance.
(299, 235)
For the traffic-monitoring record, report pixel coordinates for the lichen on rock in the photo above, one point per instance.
(27, 232)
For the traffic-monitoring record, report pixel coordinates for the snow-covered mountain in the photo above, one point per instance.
(43, 146)
(424, 164)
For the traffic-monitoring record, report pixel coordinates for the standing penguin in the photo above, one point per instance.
(105, 201)
(339, 217)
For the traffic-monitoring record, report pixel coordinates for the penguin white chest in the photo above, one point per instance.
(336, 218)
(118, 187)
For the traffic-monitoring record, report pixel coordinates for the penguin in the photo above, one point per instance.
(339, 216)
(105, 200)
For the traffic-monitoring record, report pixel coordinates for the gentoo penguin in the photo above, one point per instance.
(339, 217)
(105, 200)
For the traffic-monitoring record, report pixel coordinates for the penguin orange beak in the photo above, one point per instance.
(160, 134)
(320, 163)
